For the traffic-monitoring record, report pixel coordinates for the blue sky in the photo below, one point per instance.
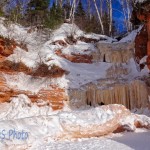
(117, 16)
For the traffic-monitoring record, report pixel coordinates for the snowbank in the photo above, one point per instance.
(43, 125)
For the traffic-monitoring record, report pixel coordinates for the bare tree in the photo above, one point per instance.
(3, 2)
(127, 11)
(15, 8)
(61, 3)
(110, 12)
(99, 17)
(89, 11)
(101, 7)
(72, 11)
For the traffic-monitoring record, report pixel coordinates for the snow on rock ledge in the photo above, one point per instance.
(67, 30)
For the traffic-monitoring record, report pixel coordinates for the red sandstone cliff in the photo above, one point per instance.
(141, 13)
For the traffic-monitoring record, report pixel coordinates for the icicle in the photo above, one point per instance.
(132, 95)
(114, 53)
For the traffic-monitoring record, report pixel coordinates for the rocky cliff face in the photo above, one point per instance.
(54, 95)
(141, 13)
(73, 68)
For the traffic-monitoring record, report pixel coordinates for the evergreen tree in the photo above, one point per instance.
(37, 11)
(2, 3)
(13, 10)
(105, 20)
(66, 9)
(91, 25)
(80, 10)
(55, 17)
(1, 12)
(80, 16)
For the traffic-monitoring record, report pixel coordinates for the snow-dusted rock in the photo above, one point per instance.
(92, 123)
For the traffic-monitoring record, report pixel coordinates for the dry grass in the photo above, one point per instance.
(41, 71)
(76, 58)
(44, 71)
(12, 66)
(87, 40)
(7, 46)
(71, 40)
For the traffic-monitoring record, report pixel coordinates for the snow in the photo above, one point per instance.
(16, 31)
(21, 107)
(30, 59)
(66, 30)
(144, 111)
(127, 141)
(143, 60)
(79, 74)
(44, 127)
(31, 40)
(46, 53)
(133, 69)
(79, 48)
(99, 37)
(131, 36)
(40, 122)
(25, 82)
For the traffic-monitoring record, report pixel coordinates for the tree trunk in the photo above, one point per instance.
(99, 17)
(89, 9)
(129, 15)
(72, 11)
(101, 7)
(122, 2)
(110, 17)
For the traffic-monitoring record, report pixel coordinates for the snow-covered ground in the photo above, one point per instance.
(24, 125)
(126, 141)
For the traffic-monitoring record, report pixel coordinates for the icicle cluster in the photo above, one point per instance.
(114, 53)
(132, 95)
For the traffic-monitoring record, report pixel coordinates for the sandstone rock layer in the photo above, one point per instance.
(142, 13)
(54, 96)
